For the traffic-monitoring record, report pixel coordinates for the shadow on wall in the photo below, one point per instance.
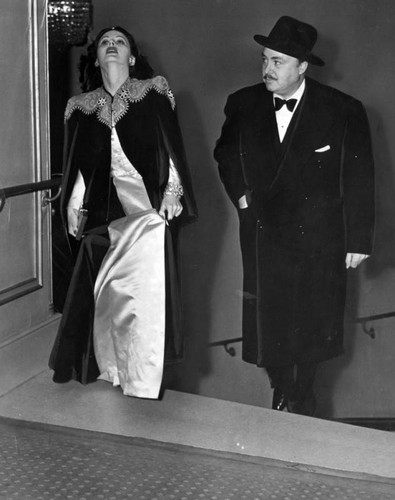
(383, 257)
(201, 246)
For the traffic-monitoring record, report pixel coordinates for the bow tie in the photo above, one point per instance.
(279, 103)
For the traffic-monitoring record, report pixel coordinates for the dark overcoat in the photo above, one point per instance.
(311, 200)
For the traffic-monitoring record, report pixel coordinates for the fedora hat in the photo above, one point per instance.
(293, 38)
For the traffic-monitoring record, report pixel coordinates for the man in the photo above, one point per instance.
(300, 174)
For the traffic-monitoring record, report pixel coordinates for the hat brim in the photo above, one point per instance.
(289, 51)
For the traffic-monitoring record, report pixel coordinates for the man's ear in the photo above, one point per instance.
(303, 67)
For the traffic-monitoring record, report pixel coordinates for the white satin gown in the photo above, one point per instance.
(129, 322)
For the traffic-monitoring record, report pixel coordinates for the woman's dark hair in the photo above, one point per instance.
(90, 76)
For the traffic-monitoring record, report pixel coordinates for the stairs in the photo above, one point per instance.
(206, 423)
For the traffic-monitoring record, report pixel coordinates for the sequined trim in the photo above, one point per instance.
(173, 189)
(110, 111)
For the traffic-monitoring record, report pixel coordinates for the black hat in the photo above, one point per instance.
(293, 38)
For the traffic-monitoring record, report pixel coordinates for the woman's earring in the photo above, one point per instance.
(97, 63)
(132, 61)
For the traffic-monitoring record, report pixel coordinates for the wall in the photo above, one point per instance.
(205, 49)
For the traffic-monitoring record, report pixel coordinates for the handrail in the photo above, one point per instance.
(230, 350)
(371, 331)
(32, 187)
(363, 320)
(375, 317)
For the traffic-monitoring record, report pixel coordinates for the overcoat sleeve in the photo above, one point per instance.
(228, 154)
(358, 181)
(174, 144)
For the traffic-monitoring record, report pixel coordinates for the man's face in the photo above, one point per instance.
(282, 74)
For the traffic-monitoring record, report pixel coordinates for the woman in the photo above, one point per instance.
(126, 182)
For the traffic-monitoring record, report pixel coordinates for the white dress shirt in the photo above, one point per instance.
(283, 115)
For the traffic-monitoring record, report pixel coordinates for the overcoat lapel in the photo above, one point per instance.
(312, 125)
(265, 136)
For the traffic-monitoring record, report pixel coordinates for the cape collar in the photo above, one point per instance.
(109, 110)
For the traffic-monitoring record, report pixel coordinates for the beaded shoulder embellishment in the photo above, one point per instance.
(110, 111)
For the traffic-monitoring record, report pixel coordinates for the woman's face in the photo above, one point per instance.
(113, 46)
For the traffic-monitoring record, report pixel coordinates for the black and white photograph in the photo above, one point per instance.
(197, 250)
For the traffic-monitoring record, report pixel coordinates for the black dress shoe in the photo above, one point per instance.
(306, 407)
(279, 400)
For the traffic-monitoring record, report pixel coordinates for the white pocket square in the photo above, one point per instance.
(322, 150)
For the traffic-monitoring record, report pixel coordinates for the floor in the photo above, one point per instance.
(184, 423)
(40, 461)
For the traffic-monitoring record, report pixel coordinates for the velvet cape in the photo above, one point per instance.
(147, 126)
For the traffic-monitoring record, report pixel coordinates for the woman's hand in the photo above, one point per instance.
(72, 221)
(170, 207)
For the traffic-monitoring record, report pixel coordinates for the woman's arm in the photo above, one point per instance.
(75, 203)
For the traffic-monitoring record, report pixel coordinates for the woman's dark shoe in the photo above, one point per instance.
(61, 378)
(279, 400)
